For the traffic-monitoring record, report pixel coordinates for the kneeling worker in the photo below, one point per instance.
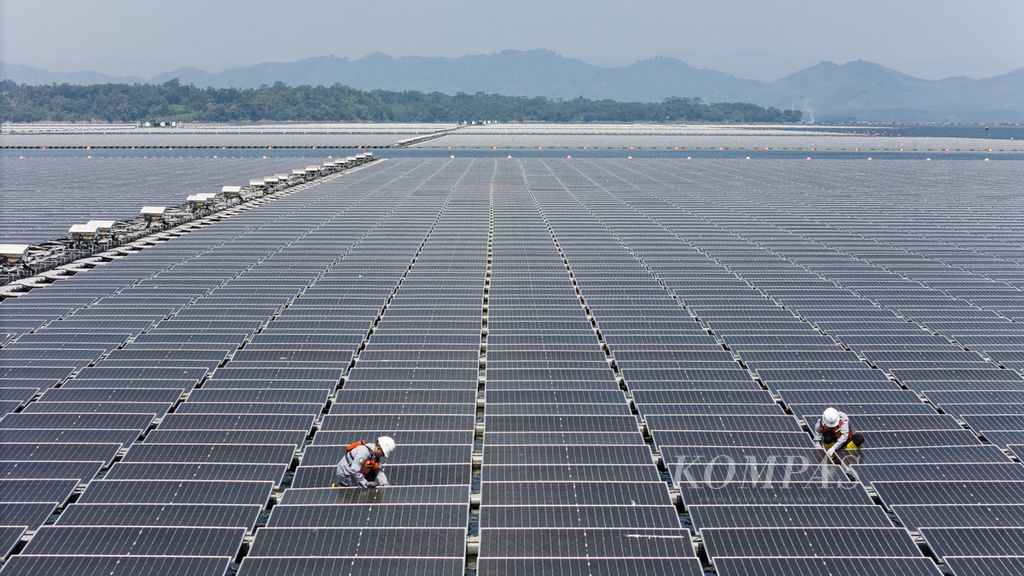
(833, 430)
(361, 464)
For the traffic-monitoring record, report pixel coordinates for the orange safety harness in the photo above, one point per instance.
(371, 465)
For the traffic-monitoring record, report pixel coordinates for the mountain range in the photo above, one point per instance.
(858, 90)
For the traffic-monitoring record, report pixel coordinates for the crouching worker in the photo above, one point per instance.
(833, 432)
(361, 464)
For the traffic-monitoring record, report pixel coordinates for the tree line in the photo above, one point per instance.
(173, 101)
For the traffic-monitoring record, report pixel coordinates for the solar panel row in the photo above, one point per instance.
(712, 422)
(771, 276)
(707, 311)
(44, 196)
(415, 380)
(211, 319)
(567, 478)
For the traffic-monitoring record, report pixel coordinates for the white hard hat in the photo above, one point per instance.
(387, 444)
(830, 417)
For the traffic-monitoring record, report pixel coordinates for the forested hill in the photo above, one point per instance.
(174, 101)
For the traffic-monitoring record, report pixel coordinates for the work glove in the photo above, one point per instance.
(364, 484)
(830, 451)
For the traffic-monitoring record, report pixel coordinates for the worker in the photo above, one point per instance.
(361, 464)
(833, 431)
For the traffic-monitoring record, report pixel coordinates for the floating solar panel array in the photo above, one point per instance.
(700, 137)
(42, 197)
(568, 484)
(415, 380)
(182, 140)
(214, 319)
(617, 360)
(821, 315)
(751, 479)
(187, 128)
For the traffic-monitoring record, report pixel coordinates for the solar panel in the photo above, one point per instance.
(21, 565)
(31, 515)
(639, 494)
(859, 542)
(396, 422)
(975, 541)
(220, 453)
(155, 541)
(176, 492)
(768, 472)
(25, 452)
(926, 454)
(539, 424)
(811, 516)
(295, 408)
(255, 566)
(93, 436)
(950, 492)
(569, 473)
(594, 566)
(616, 455)
(740, 454)
(896, 422)
(912, 438)
(734, 493)
(370, 516)
(135, 514)
(853, 566)
(711, 409)
(197, 471)
(435, 455)
(856, 409)
(274, 437)
(982, 409)
(620, 409)
(337, 438)
(38, 470)
(843, 397)
(390, 495)
(870, 473)
(560, 543)
(701, 397)
(975, 397)
(1003, 437)
(81, 420)
(964, 515)
(228, 395)
(982, 566)
(126, 395)
(792, 439)
(15, 394)
(568, 320)
(57, 491)
(9, 538)
(409, 475)
(579, 517)
(376, 542)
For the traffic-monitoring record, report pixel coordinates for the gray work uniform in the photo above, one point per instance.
(839, 435)
(349, 471)
(841, 431)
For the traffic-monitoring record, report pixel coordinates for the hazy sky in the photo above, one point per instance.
(751, 38)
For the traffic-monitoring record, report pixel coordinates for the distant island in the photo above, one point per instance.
(174, 101)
